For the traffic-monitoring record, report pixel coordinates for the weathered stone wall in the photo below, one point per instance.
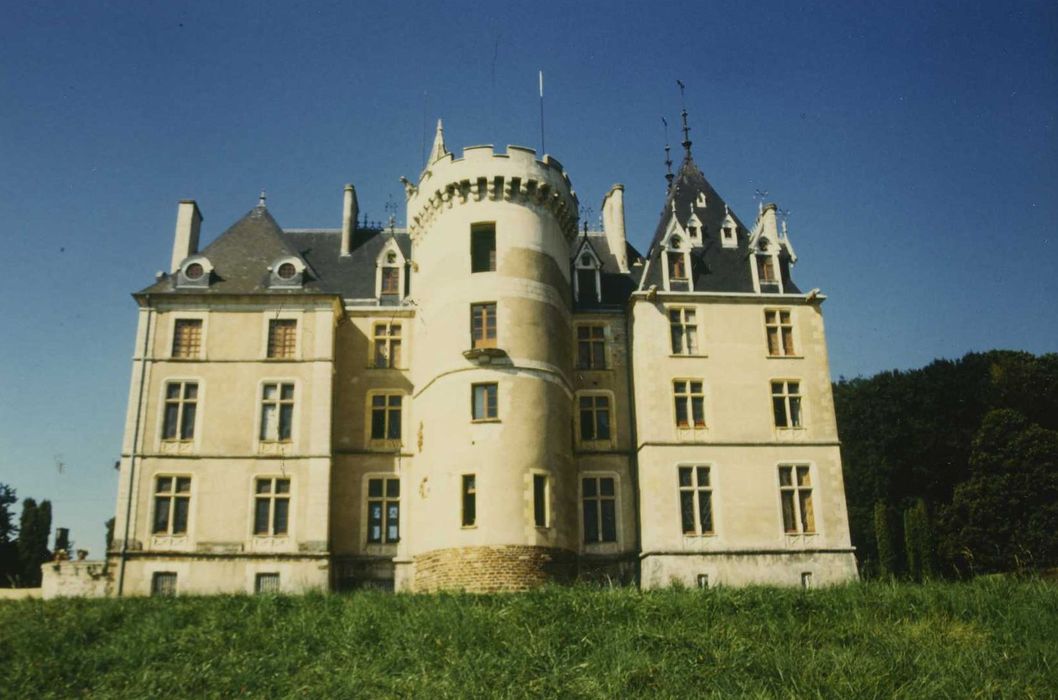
(489, 569)
(68, 579)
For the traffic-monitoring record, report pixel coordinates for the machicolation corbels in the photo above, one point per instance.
(482, 174)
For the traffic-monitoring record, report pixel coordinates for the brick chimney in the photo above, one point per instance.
(185, 240)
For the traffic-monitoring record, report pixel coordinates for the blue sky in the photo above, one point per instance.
(914, 145)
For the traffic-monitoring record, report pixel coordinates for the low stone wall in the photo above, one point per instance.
(492, 569)
(69, 579)
(19, 593)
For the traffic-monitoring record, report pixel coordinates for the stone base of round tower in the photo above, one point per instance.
(492, 569)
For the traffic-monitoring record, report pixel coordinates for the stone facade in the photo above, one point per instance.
(488, 399)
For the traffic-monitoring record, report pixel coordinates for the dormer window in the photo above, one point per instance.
(677, 265)
(390, 277)
(196, 271)
(728, 236)
(766, 269)
(587, 282)
(286, 273)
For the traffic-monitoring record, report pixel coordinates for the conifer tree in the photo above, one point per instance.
(883, 532)
(33, 533)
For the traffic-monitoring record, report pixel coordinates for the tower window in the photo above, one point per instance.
(483, 325)
(483, 248)
(483, 401)
(470, 500)
(540, 498)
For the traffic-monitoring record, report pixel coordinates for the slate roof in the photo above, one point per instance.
(242, 254)
(715, 268)
(617, 286)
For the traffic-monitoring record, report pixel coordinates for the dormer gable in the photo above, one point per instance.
(587, 273)
(391, 270)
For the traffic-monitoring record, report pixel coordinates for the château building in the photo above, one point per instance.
(489, 399)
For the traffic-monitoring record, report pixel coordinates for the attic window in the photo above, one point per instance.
(585, 260)
(193, 271)
(287, 271)
(391, 259)
(693, 230)
(729, 234)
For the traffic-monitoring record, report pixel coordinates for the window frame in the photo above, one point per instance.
(686, 330)
(592, 341)
(595, 442)
(182, 402)
(388, 409)
(164, 591)
(477, 229)
(273, 321)
(271, 497)
(468, 495)
(201, 349)
(598, 498)
(495, 402)
(390, 340)
(784, 331)
(795, 490)
(540, 493)
(272, 576)
(482, 308)
(385, 500)
(171, 495)
(789, 400)
(279, 403)
(688, 395)
(696, 489)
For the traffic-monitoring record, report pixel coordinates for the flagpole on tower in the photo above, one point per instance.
(542, 147)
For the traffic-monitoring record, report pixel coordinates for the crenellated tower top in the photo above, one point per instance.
(482, 174)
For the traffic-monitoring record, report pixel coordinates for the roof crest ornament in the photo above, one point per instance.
(683, 115)
(438, 150)
(668, 155)
(261, 199)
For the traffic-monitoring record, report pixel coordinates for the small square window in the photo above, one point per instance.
(266, 584)
(163, 583)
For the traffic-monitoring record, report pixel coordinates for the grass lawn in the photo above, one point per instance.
(994, 638)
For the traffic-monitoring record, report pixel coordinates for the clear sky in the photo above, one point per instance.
(914, 145)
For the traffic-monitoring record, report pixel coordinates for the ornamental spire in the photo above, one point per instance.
(438, 151)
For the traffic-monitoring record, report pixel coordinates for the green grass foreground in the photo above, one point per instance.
(983, 639)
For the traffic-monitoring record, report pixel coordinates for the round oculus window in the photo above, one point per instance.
(194, 271)
(287, 271)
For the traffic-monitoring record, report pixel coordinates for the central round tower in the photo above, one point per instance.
(492, 494)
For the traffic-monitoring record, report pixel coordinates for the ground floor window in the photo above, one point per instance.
(266, 583)
(600, 509)
(163, 583)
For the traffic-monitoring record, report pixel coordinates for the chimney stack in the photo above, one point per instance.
(188, 224)
(350, 210)
(613, 224)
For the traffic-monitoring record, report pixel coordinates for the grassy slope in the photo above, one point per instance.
(868, 640)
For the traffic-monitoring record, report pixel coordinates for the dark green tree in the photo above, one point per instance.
(8, 532)
(33, 534)
(110, 533)
(1005, 517)
(883, 531)
(918, 542)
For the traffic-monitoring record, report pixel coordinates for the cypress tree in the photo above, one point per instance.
(33, 534)
(883, 533)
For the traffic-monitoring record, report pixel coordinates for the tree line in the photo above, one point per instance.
(23, 547)
(951, 470)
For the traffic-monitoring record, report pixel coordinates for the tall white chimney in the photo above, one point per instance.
(185, 240)
(350, 210)
(613, 224)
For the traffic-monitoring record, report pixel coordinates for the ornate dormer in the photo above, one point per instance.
(286, 273)
(391, 269)
(195, 271)
(770, 253)
(587, 280)
(677, 263)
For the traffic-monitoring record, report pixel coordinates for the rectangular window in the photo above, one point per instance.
(181, 401)
(696, 501)
(482, 247)
(683, 327)
(587, 290)
(594, 417)
(484, 401)
(277, 412)
(786, 404)
(282, 338)
(385, 416)
(795, 488)
(540, 499)
(163, 583)
(390, 280)
(387, 345)
(266, 584)
(600, 509)
(483, 325)
(271, 514)
(172, 504)
(591, 347)
(677, 266)
(690, 403)
(470, 494)
(187, 338)
(383, 510)
(780, 331)
(766, 269)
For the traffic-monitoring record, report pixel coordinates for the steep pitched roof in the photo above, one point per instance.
(715, 268)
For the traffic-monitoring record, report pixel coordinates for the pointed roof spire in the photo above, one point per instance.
(438, 151)
(261, 199)
(668, 156)
(683, 114)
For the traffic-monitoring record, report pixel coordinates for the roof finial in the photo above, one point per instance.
(261, 199)
(668, 156)
(683, 114)
(438, 151)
